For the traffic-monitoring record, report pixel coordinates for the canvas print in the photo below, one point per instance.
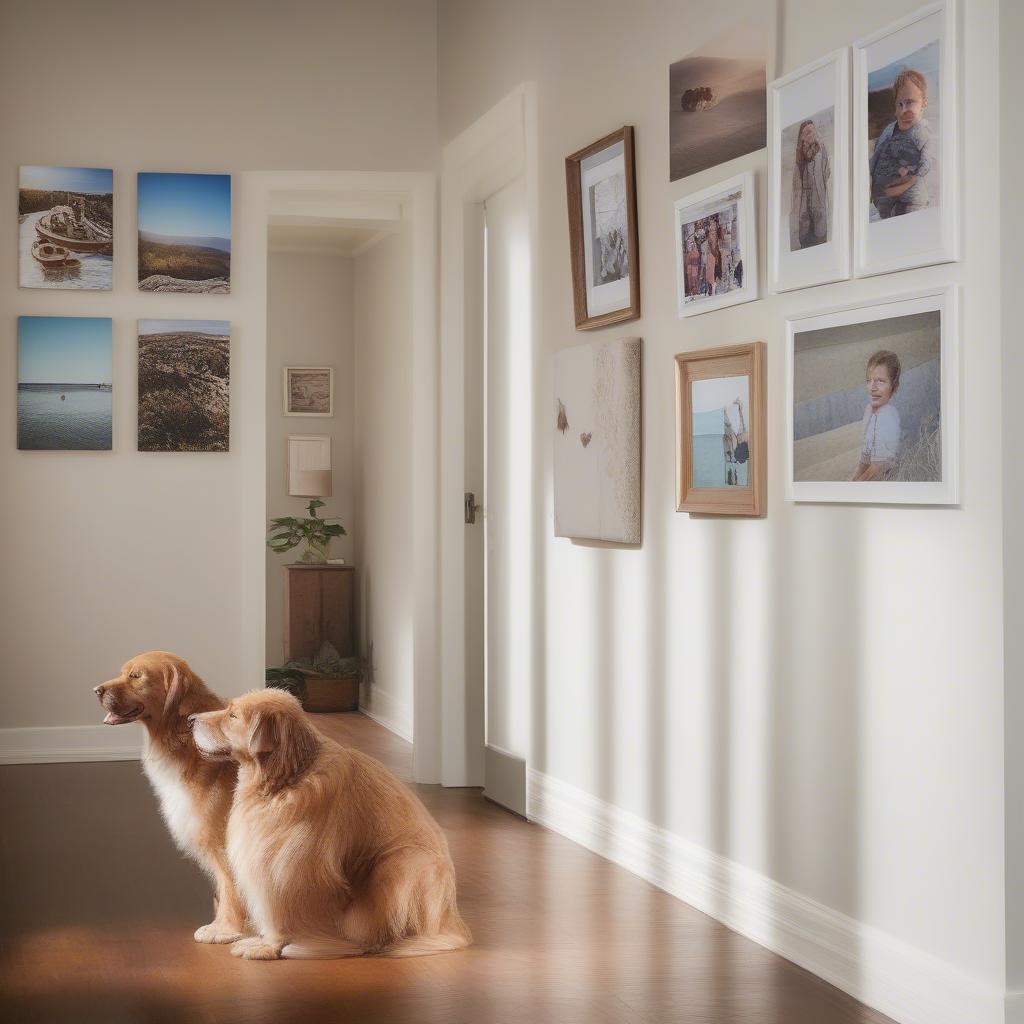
(597, 441)
(308, 391)
(720, 410)
(184, 232)
(66, 227)
(808, 157)
(184, 392)
(718, 102)
(65, 383)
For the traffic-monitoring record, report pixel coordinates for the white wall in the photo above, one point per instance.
(816, 696)
(309, 323)
(122, 551)
(384, 459)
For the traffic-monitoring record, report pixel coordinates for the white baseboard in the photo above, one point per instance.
(61, 744)
(506, 779)
(909, 985)
(379, 705)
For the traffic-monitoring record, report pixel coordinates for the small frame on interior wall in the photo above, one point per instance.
(603, 243)
(720, 431)
(308, 391)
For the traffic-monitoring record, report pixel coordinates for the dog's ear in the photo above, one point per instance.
(179, 680)
(288, 742)
(262, 733)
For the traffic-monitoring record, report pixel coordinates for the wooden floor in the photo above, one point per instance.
(97, 912)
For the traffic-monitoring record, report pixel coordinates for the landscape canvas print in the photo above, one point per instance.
(184, 232)
(65, 378)
(720, 408)
(66, 227)
(718, 102)
(597, 441)
(184, 385)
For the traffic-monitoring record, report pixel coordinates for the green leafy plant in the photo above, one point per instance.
(286, 532)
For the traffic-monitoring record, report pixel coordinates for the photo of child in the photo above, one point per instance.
(807, 148)
(881, 422)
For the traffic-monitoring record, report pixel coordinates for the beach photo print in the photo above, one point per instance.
(873, 402)
(184, 232)
(65, 383)
(66, 227)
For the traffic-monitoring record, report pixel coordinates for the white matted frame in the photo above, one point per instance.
(287, 381)
(924, 237)
(704, 203)
(791, 100)
(942, 492)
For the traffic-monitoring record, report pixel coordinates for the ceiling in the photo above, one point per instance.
(325, 235)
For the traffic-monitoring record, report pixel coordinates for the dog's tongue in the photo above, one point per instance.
(113, 718)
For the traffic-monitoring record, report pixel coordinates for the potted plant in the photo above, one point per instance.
(286, 532)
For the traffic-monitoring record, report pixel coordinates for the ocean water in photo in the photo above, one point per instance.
(709, 464)
(81, 420)
(95, 273)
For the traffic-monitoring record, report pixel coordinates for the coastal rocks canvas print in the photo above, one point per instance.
(65, 377)
(66, 227)
(184, 232)
(597, 441)
(184, 385)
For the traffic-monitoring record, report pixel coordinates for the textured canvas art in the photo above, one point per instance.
(597, 441)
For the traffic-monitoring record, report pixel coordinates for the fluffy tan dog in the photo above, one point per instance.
(333, 855)
(160, 691)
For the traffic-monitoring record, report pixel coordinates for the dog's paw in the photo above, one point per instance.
(256, 949)
(217, 933)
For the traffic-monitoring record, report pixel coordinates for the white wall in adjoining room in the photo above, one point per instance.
(816, 697)
(309, 323)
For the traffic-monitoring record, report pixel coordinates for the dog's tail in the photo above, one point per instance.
(320, 948)
(454, 935)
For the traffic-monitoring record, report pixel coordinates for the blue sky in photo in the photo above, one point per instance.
(184, 326)
(96, 180)
(185, 205)
(65, 350)
(925, 60)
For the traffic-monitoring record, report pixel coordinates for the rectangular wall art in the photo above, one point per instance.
(65, 377)
(66, 227)
(597, 441)
(184, 232)
(184, 385)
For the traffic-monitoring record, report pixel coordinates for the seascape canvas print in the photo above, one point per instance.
(597, 441)
(721, 440)
(184, 385)
(807, 157)
(718, 102)
(66, 227)
(184, 232)
(65, 383)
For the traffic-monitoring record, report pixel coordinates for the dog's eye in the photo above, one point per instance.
(134, 675)
(231, 714)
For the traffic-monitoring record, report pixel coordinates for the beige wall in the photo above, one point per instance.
(309, 323)
(816, 695)
(122, 551)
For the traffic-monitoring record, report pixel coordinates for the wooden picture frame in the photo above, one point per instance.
(719, 476)
(605, 286)
(311, 403)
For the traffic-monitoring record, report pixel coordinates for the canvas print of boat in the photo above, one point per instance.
(184, 385)
(184, 232)
(65, 394)
(66, 227)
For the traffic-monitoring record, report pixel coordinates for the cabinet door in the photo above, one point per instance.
(302, 613)
(336, 598)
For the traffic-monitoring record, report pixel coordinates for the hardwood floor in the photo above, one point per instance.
(97, 910)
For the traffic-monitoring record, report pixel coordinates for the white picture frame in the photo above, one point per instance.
(931, 235)
(737, 193)
(944, 491)
(304, 390)
(815, 92)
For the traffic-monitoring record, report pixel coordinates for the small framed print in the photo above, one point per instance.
(906, 197)
(720, 431)
(872, 405)
(808, 175)
(308, 391)
(716, 247)
(601, 194)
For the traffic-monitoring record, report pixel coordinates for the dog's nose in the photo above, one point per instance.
(99, 690)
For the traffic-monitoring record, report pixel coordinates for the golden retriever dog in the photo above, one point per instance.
(160, 691)
(333, 855)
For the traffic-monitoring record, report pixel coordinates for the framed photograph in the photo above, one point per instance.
(809, 175)
(906, 197)
(720, 431)
(308, 391)
(597, 441)
(65, 383)
(184, 233)
(66, 227)
(184, 385)
(873, 402)
(716, 247)
(600, 184)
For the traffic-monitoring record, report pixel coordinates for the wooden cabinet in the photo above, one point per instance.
(318, 605)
